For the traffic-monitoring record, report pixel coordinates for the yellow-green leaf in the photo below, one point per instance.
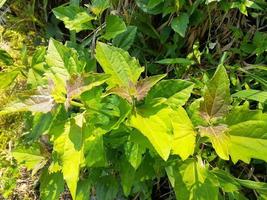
(219, 138)
(155, 124)
(248, 134)
(7, 78)
(184, 135)
(248, 140)
(176, 92)
(124, 69)
(191, 180)
(75, 18)
(69, 145)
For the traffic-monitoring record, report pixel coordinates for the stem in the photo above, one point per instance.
(74, 103)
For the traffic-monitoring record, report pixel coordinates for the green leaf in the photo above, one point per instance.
(216, 95)
(153, 3)
(146, 171)
(62, 60)
(52, 184)
(192, 180)
(117, 110)
(40, 125)
(134, 152)
(107, 188)
(259, 186)
(83, 189)
(219, 138)
(242, 114)
(176, 91)
(95, 154)
(30, 157)
(115, 26)
(143, 86)
(57, 58)
(7, 78)
(124, 70)
(127, 174)
(152, 8)
(155, 124)
(179, 24)
(79, 84)
(248, 134)
(69, 145)
(184, 135)
(226, 180)
(248, 140)
(38, 57)
(4, 56)
(98, 6)
(169, 61)
(75, 18)
(255, 95)
(37, 70)
(125, 39)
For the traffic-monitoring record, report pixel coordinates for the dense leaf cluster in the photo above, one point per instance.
(109, 127)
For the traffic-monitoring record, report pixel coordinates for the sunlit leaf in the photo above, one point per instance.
(155, 124)
(69, 145)
(176, 92)
(62, 60)
(169, 61)
(79, 84)
(143, 86)
(184, 133)
(115, 26)
(248, 134)
(30, 157)
(75, 18)
(37, 69)
(192, 180)
(255, 95)
(98, 6)
(219, 138)
(124, 70)
(217, 95)
(7, 78)
(248, 140)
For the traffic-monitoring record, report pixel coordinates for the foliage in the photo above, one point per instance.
(127, 100)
